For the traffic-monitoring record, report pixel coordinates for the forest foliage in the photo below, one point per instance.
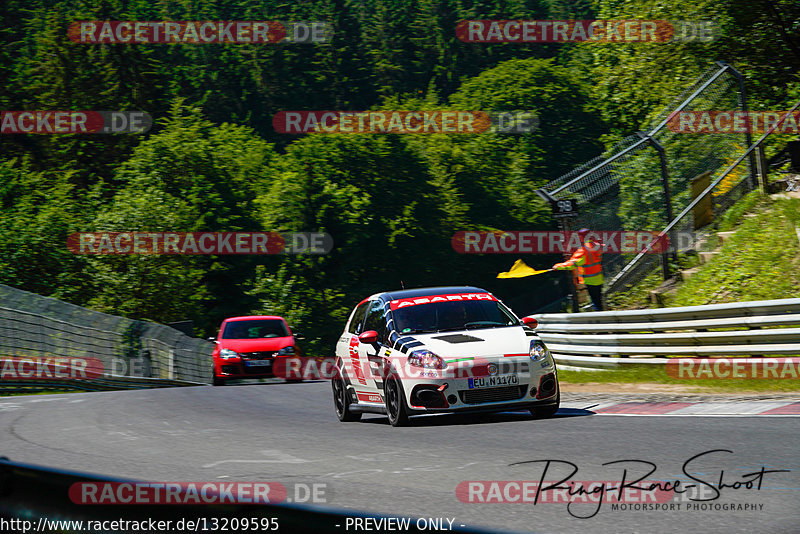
(213, 162)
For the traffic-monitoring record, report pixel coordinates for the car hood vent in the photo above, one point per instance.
(458, 338)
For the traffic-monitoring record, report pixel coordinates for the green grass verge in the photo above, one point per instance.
(751, 202)
(24, 392)
(659, 376)
(760, 261)
(636, 297)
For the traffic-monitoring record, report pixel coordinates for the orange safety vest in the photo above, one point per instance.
(588, 259)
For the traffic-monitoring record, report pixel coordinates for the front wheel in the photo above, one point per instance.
(341, 403)
(216, 380)
(547, 411)
(395, 402)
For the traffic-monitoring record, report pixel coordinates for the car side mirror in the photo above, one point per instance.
(370, 336)
(530, 322)
(298, 336)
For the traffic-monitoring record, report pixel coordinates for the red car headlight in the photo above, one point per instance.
(228, 354)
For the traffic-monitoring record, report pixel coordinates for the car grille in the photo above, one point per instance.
(257, 355)
(506, 393)
(258, 370)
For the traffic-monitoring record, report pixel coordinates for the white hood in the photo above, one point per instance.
(488, 342)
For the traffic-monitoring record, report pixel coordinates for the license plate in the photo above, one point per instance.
(258, 363)
(493, 381)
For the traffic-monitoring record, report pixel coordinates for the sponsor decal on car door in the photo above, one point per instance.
(367, 389)
(355, 362)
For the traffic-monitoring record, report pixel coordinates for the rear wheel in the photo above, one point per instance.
(395, 402)
(548, 410)
(342, 403)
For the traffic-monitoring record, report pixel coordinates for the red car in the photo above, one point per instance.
(248, 346)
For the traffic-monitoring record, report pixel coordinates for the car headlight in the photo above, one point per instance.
(426, 359)
(538, 351)
(227, 354)
(286, 351)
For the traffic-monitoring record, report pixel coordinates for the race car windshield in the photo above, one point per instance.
(255, 329)
(444, 316)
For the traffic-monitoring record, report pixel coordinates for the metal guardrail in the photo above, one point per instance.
(40, 497)
(755, 328)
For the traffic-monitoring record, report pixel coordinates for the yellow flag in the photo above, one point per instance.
(520, 270)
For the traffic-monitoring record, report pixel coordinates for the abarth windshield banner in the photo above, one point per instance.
(416, 301)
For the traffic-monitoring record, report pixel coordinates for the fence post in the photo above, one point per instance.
(563, 225)
(762, 169)
(748, 138)
(662, 157)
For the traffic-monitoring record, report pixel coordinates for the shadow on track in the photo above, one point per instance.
(479, 418)
(239, 382)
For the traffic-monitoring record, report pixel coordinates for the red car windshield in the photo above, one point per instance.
(255, 329)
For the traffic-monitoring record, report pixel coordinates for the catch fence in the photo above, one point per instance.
(134, 353)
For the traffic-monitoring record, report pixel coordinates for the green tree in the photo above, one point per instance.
(192, 176)
(38, 210)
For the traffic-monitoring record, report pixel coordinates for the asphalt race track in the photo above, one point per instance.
(289, 433)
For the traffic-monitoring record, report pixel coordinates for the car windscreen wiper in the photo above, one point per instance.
(450, 329)
(484, 324)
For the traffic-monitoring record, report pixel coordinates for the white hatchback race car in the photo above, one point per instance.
(441, 349)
